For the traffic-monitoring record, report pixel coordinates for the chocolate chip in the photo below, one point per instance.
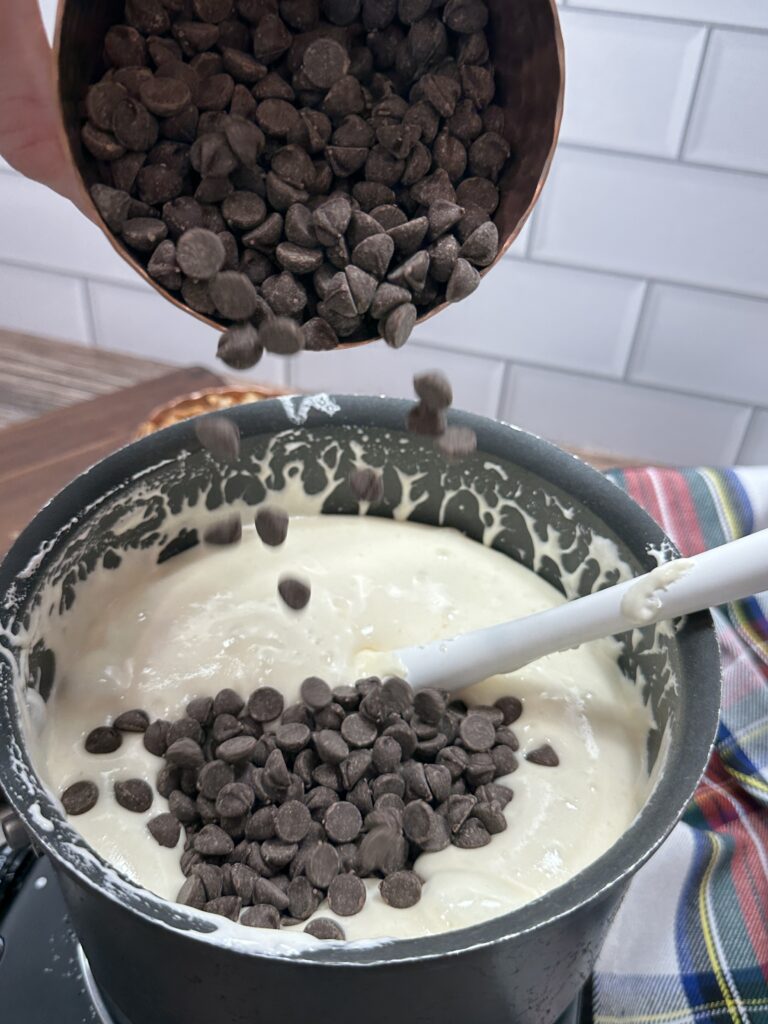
(220, 436)
(417, 820)
(144, 233)
(322, 865)
(239, 347)
(228, 702)
(325, 62)
(325, 928)
(413, 273)
(358, 731)
(265, 704)
(292, 821)
(200, 253)
(463, 281)
(316, 693)
(184, 753)
(477, 732)
(491, 816)
(183, 807)
(366, 484)
(237, 749)
(397, 326)
(134, 795)
(402, 889)
(156, 737)
(266, 892)
(192, 893)
(478, 191)
(165, 830)
(104, 739)
(544, 756)
(226, 531)
(276, 771)
(472, 835)
(212, 841)
(225, 906)
(346, 894)
(479, 86)
(457, 442)
(80, 797)
(443, 256)
(331, 747)
(261, 915)
(134, 720)
(295, 593)
(282, 336)
(482, 246)
(343, 822)
(285, 295)
(233, 295)
(124, 47)
(382, 849)
(234, 799)
(303, 900)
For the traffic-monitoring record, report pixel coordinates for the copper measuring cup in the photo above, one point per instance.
(527, 48)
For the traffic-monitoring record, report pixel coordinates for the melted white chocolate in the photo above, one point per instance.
(153, 637)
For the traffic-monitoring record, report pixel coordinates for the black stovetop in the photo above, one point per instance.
(44, 977)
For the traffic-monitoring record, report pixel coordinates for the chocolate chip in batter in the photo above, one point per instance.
(346, 895)
(134, 795)
(325, 928)
(165, 830)
(104, 739)
(80, 797)
(402, 889)
(544, 756)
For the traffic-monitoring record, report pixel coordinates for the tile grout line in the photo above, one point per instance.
(642, 316)
(623, 154)
(694, 95)
(90, 319)
(667, 19)
(507, 386)
(743, 440)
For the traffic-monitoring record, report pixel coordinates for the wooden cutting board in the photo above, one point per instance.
(39, 457)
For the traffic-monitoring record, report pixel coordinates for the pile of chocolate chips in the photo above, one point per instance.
(305, 170)
(283, 807)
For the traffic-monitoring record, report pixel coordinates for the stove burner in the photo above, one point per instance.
(44, 973)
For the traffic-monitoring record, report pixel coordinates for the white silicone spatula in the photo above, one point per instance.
(679, 587)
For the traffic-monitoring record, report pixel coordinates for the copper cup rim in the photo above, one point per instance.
(88, 206)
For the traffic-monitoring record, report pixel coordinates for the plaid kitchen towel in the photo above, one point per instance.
(690, 942)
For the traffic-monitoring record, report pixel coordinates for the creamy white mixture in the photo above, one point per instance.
(153, 637)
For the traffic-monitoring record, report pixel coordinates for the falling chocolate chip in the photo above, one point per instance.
(224, 532)
(220, 436)
(366, 484)
(239, 347)
(435, 391)
(457, 442)
(295, 593)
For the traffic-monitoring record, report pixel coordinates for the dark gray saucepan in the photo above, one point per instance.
(525, 967)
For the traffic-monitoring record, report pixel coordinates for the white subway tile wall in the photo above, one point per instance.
(631, 315)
